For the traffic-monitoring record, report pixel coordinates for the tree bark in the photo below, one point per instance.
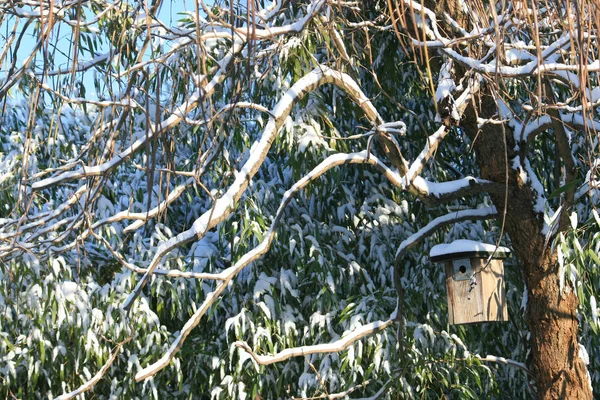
(557, 369)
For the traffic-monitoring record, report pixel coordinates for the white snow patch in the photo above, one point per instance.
(583, 354)
(68, 289)
(442, 188)
(525, 298)
(465, 246)
(515, 56)
(263, 285)
(446, 84)
(594, 308)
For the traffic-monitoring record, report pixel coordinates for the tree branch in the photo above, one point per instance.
(443, 192)
(331, 347)
(177, 116)
(96, 378)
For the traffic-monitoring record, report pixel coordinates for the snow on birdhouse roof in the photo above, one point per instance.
(466, 249)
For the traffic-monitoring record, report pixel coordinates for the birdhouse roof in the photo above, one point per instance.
(466, 249)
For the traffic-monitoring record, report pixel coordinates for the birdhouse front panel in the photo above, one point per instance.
(474, 293)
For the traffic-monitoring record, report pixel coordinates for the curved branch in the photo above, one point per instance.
(505, 361)
(434, 140)
(43, 219)
(226, 203)
(440, 222)
(298, 26)
(177, 116)
(331, 347)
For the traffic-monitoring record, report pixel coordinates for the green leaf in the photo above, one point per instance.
(564, 188)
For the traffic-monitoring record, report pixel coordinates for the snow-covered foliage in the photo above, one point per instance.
(209, 208)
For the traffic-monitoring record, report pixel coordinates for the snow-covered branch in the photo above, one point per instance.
(505, 361)
(419, 236)
(313, 10)
(176, 117)
(440, 192)
(440, 222)
(434, 140)
(27, 224)
(227, 275)
(225, 204)
(331, 347)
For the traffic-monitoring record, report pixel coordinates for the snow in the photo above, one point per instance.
(422, 158)
(68, 289)
(535, 125)
(516, 56)
(310, 137)
(594, 309)
(288, 280)
(263, 285)
(228, 274)
(178, 114)
(525, 299)
(527, 175)
(467, 246)
(265, 309)
(442, 188)
(583, 354)
(376, 225)
(424, 335)
(446, 84)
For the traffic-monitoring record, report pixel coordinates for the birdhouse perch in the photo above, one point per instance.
(475, 287)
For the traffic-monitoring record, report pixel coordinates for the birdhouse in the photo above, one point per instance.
(474, 281)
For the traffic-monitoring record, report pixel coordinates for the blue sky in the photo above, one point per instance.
(62, 34)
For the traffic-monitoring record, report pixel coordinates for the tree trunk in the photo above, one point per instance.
(557, 369)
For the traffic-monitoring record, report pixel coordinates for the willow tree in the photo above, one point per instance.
(258, 184)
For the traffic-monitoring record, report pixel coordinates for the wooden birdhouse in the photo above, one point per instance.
(474, 282)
